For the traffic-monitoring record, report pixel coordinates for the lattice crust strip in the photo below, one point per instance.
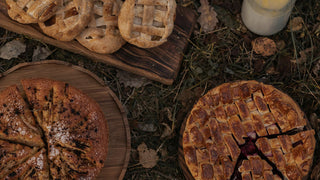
(69, 21)
(291, 153)
(31, 11)
(256, 168)
(232, 120)
(147, 23)
(102, 34)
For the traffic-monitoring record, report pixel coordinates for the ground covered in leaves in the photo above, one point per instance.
(227, 53)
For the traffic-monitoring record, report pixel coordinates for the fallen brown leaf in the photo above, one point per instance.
(296, 24)
(167, 131)
(208, 18)
(12, 49)
(303, 56)
(148, 158)
(264, 46)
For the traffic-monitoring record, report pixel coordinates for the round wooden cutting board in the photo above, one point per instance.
(119, 134)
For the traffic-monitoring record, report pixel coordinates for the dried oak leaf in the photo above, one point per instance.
(148, 158)
(296, 24)
(264, 46)
(208, 18)
(12, 49)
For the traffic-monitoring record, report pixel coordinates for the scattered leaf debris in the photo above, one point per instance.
(296, 24)
(12, 49)
(148, 158)
(264, 46)
(208, 18)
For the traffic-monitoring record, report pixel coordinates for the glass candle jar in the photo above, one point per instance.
(266, 17)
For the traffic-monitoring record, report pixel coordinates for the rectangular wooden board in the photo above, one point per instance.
(161, 64)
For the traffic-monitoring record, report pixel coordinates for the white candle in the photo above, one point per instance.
(266, 17)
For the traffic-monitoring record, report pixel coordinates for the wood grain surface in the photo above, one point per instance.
(160, 64)
(119, 134)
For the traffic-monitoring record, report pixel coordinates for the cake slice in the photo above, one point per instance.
(36, 167)
(12, 155)
(16, 121)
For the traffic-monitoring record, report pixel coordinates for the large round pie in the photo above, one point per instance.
(247, 130)
(51, 131)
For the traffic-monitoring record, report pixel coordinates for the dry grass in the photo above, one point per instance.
(220, 56)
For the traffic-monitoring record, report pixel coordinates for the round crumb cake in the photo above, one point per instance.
(52, 131)
(247, 130)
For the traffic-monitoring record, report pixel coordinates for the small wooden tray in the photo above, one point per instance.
(119, 135)
(160, 64)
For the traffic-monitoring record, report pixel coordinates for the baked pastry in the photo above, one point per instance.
(102, 34)
(31, 11)
(12, 154)
(74, 127)
(247, 130)
(147, 23)
(69, 21)
(16, 121)
(36, 167)
(67, 139)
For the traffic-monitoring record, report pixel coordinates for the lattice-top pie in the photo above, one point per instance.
(102, 34)
(247, 130)
(64, 136)
(31, 11)
(69, 20)
(147, 23)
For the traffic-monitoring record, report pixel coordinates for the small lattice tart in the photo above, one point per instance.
(102, 34)
(147, 23)
(69, 21)
(247, 130)
(31, 11)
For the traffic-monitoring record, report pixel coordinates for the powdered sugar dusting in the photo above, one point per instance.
(40, 161)
(59, 132)
(53, 152)
(21, 153)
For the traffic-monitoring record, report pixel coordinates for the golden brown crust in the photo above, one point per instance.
(246, 117)
(75, 127)
(32, 11)
(102, 34)
(36, 167)
(16, 121)
(69, 21)
(147, 23)
(11, 155)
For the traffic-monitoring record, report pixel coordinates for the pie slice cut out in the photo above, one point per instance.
(12, 154)
(247, 122)
(16, 120)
